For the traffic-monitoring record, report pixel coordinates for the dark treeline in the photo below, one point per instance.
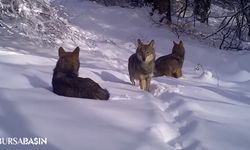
(233, 29)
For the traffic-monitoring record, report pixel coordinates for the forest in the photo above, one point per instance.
(227, 22)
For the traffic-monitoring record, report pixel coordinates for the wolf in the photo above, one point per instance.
(171, 65)
(66, 82)
(141, 64)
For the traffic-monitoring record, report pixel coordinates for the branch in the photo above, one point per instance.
(227, 23)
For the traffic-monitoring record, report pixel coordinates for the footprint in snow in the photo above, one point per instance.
(121, 97)
(164, 132)
(158, 89)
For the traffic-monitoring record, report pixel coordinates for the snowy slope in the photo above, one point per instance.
(207, 109)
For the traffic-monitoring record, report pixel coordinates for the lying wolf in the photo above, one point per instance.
(66, 82)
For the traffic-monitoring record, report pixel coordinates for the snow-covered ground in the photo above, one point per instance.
(207, 109)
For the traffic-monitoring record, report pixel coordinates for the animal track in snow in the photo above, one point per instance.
(164, 132)
(121, 97)
(158, 89)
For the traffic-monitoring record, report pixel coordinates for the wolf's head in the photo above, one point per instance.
(68, 62)
(145, 52)
(178, 49)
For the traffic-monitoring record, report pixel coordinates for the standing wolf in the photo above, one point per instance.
(141, 64)
(171, 65)
(66, 82)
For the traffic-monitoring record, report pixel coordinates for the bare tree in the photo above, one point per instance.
(233, 29)
(246, 12)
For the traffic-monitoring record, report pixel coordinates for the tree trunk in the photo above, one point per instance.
(164, 7)
(168, 14)
(201, 10)
(185, 8)
(246, 12)
(248, 30)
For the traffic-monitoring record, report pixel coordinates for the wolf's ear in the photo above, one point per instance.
(61, 52)
(152, 43)
(76, 51)
(181, 43)
(139, 42)
(174, 43)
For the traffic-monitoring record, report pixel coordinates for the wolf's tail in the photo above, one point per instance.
(102, 94)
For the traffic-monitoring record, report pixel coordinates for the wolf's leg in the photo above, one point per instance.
(148, 80)
(143, 84)
(178, 73)
(132, 80)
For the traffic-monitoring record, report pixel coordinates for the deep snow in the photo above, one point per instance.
(206, 109)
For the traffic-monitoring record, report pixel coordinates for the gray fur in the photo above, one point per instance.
(141, 64)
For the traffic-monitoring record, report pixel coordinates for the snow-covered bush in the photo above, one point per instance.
(35, 19)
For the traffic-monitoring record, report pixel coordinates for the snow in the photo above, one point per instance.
(206, 109)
